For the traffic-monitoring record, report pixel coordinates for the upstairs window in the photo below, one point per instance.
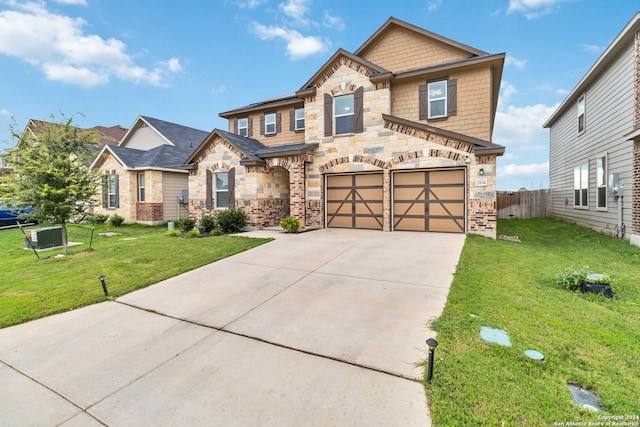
(299, 119)
(581, 114)
(601, 182)
(270, 123)
(343, 114)
(581, 185)
(243, 127)
(437, 99)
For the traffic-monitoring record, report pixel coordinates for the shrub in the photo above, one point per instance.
(231, 220)
(116, 220)
(186, 224)
(571, 278)
(192, 233)
(216, 232)
(173, 233)
(291, 224)
(100, 218)
(207, 223)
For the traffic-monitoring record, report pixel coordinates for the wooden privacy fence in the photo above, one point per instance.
(524, 204)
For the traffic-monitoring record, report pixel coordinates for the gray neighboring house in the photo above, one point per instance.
(142, 178)
(595, 138)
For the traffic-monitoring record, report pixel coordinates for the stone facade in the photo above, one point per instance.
(635, 208)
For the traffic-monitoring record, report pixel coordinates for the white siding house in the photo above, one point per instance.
(592, 137)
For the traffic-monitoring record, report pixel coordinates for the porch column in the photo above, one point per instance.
(297, 200)
(386, 200)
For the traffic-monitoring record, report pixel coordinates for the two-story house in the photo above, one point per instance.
(394, 136)
(594, 145)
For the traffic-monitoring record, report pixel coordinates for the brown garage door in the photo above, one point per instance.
(429, 201)
(354, 201)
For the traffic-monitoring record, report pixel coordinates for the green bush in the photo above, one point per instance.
(192, 233)
(571, 279)
(173, 233)
(186, 224)
(291, 224)
(207, 223)
(231, 220)
(100, 218)
(116, 220)
(216, 232)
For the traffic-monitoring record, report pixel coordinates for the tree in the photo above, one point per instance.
(51, 172)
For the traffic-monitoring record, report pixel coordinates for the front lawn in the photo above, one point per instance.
(137, 257)
(587, 340)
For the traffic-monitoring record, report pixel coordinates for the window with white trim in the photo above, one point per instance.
(299, 118)
(222, 190)
(343, 114)
(581, 185)
(581, 107)
(437, 99)
(243, 127)
(270, 123)
(601, 182)
(112, 185)
(141, 187)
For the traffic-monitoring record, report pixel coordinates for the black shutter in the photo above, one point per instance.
(328, 115)
(423, 102)
(117, 192)
(358, 107)
(278, 120)
(292, 120)
(250, 127)
(209, 190)
(452, 94)
(235, 126)
(262, 124)
(105, 190)
(232, 187)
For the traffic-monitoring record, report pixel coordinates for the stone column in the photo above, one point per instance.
(297, 200)
(386, 200)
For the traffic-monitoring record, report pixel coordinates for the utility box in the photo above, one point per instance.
(616, 188)
(44, 238)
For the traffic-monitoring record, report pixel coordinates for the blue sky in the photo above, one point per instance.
(185, 62)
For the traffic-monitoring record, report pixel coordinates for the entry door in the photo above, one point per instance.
(429, 201)
(354, 201)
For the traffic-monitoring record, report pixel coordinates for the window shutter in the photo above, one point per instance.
(292, 120)
(262, 124)
(328, 115)
(232, 187)
(235, 126)
(358, 113)
(278, 122)
(209, 190)
(105, 190)
(452, 94)
(423, 102)
(117, 191)
(249, 127)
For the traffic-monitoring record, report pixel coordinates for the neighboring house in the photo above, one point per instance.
(142, 179)
(394, 136)
(595, 137)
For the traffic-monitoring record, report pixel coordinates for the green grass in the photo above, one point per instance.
(586, 339)
(32, 288)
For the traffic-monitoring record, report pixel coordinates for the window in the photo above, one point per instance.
(243, 127)
(222, 190)
(110, 191)
(581, 114)
(581, 185)
(270, 123)
(141, 187)
(601, 181)
(299, 119)
(438, 99)
(343, 114)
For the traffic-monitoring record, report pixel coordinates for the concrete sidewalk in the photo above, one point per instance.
(320, 328)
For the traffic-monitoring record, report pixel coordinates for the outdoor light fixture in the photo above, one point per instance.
(467, 160)
(481, 172)
(104, 286)
(432, 343)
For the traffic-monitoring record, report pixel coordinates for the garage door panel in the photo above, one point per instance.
(368, 179)
(429, 200)
(340, 181)
(368, 209)
(355, 201)
(340, 208)
(369, 223)
(341, 222)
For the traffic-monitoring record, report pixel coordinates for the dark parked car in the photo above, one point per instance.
(10, 216)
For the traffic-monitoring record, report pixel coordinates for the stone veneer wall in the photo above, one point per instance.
(264, 212)
(635, 195)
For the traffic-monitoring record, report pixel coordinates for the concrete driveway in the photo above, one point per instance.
(321, 328)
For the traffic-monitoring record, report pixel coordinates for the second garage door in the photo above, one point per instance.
(355, 201)
(429, 201)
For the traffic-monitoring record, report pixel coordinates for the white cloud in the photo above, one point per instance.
(515, 62)
(251, 4)
(533, 175)
(330, 21)
(298, 46)
(533, 8)
(507, 91)
(64, 52)
(592, 48)
(555, 91)
(4, 112)
(433, 5)
(522, 126)
(297, 10)
(217, 90)
(72, 2)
